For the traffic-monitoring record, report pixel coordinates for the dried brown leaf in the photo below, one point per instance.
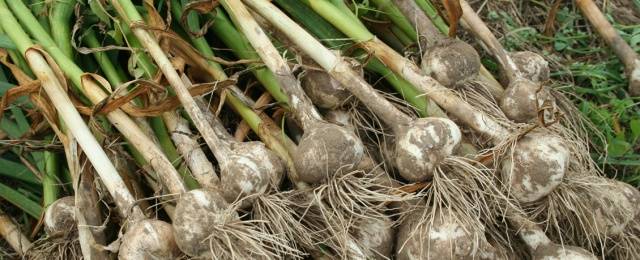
(202, 7)
(454, 13)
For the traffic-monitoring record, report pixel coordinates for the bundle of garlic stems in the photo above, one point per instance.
(118, 120)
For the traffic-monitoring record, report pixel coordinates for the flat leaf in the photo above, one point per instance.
(6, 43)
(635, 39)
(21, 201)
(560, 45)
(634, 124)
(618, 147)
(17, 171)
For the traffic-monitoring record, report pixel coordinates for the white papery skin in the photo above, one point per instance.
(149, 239)
(614, 206)
(559, 252)
(531, 66)
(537, 166)
(523, 100)
(249, 171)
(444, 238)
(451, 62)
(376, 237)
(60, 216)
(323, 90)
(197, 213)
(326, 149)
(423, 144)
(541, 247)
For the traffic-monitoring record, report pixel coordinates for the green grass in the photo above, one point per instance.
(588, 70)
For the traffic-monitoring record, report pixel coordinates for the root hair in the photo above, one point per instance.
(59, 246)
(335, 208)
(470, 193)
(276, 214)
(236, 238)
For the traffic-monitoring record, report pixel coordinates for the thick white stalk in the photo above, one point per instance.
(87, 210)
(338, 67)
(431, 88)
(88, 218)
(472, 21)
(301, 105)
(428, 34)
(85, 236)
(145, 127)
(98, 158)
(157, 188)
(182, 92)
(11, 233)
(444, 97)
(127, 127)
(201, 168)
(136, 137)
(324, 149)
